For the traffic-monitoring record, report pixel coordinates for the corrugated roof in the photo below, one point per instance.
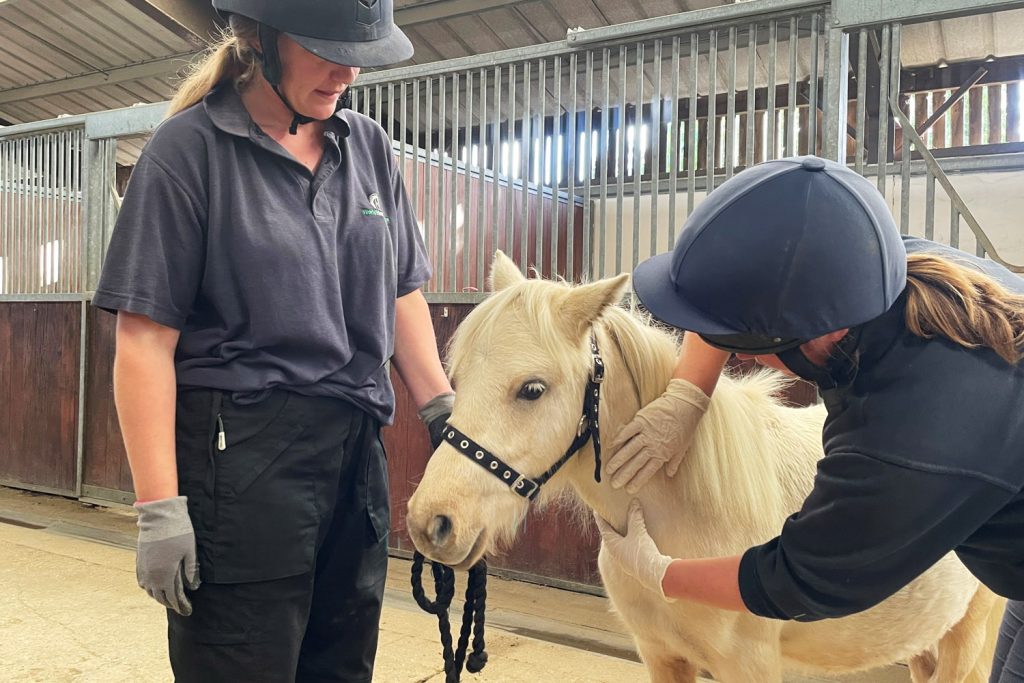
(69, 57)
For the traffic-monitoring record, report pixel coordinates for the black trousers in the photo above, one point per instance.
(291, 521)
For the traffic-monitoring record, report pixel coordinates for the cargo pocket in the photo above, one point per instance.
(378, 505)
(265, 517)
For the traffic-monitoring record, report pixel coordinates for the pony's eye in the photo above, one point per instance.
(531, 391)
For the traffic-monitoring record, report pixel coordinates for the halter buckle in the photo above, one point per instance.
(527, 488)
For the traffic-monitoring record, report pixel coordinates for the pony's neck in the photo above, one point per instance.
(730, 474)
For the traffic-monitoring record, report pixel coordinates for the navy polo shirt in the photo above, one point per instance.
(275, 276)
(924, 454)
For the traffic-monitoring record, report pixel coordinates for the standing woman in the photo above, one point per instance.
(265, 267)
(916, 351)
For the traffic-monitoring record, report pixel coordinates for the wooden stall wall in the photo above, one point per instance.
(105, 469)
(39, 366)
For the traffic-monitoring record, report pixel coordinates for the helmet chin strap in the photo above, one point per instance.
(270, 60)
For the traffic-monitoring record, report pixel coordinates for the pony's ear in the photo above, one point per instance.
(504, 272)
(584, 304)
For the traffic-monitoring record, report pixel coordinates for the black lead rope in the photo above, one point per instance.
(472, 614)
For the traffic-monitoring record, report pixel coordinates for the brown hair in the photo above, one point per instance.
(963, 305)
(231, 57)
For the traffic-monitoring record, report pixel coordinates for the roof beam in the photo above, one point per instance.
(437, 10)
(193, 20)
(165, 66)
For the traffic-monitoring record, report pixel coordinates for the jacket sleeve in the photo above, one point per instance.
(867, 529)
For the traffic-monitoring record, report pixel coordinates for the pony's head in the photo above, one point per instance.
(520, 363)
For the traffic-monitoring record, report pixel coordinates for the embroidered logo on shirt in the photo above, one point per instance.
(375, 202)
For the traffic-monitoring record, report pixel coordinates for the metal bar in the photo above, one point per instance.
(748, 152)
(510, 228)
(730, 111)
(453, 238)
(638, 119)
(481, 204)
(954, 226)
(772, 116)
(604, 150)
(444, 265)
(620, 160)
(862, 12)
(391, 111)
(678, 146)
(862, 90)
(60, 185)
(905, 190)
(712, 114)
(379, 113)
(571, 143)
(556, 162)
(541, 166)
(794, 35)
(883, 98)
(657, 105)
(428, 198)
(929, 207)
(714, 16)
(495, 156)
(588, 146)
(526, 135)
(420, 215)
(691, 131)
(837, 109)
(469, 231)
(812, 107)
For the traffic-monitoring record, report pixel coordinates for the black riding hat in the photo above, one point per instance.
(782, 253)
(350, 32)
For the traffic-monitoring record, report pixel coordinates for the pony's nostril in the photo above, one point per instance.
(440, 530)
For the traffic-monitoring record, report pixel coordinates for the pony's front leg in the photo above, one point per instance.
(665, 667)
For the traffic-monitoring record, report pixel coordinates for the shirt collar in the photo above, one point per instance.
(224, 106)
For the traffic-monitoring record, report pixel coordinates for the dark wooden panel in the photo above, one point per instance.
(39, 349)
(106, 464)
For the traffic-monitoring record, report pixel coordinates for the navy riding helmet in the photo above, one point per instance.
(782, 253)
(359, 33)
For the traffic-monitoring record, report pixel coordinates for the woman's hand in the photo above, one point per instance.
(636, 552)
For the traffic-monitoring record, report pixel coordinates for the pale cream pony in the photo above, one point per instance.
(520, 362)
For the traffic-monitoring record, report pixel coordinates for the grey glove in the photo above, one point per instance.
(166, 560)
(435, 414)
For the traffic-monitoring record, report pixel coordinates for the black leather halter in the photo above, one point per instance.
(589, 428)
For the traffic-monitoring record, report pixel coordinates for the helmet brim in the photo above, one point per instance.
(391, 49)
(652, 282)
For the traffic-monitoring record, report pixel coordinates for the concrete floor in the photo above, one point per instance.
(71, 612)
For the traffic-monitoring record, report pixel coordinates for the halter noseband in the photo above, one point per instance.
(589, 428)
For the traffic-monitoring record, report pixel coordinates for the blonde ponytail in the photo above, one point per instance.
(232, 57)
(963, 305)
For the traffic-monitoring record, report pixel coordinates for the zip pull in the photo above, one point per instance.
(222, 439)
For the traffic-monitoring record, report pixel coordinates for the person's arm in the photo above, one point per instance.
(660, 434)
(416, 358)
(144, 394)
(700, 363)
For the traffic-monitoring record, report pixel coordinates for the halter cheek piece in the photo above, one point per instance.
(589, 428)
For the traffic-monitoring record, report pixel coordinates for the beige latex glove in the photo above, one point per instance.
(636, 552)
(658, 436)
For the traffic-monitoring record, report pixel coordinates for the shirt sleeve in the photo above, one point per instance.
(867, 529)
(414, 268)
(155, 259)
